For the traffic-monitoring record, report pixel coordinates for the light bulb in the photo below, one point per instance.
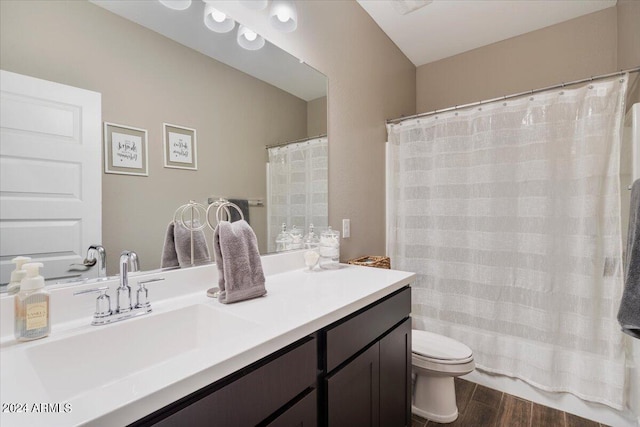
(218, 16)
(283, 15)
(216, 20)
(176, 4)
(250, 35)
(249, 39)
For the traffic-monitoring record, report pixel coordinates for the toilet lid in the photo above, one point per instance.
(436, 346)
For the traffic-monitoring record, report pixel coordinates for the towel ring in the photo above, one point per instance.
(222, 209)
(195, 209)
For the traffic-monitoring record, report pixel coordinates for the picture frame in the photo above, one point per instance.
(125, 150)
(180, 147)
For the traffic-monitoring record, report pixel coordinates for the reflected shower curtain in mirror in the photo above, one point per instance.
(297, 187)
(510, 214)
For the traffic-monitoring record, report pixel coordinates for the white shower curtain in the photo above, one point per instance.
(298, 187)
(510, 214)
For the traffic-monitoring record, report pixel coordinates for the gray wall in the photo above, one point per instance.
(598, 43)
(628, 48)
(317, 116)
(145, 80)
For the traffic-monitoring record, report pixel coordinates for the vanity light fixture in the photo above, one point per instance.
(176, 4)
(216, 20)
(283, 16)
(254, 4)
(249, 39)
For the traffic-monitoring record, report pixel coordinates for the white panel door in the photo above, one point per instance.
(50, 174)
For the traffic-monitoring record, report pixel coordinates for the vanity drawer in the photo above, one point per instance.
(347, 338)
(302, 414)
(253, 397)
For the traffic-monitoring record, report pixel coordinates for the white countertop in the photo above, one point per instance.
(297, 304)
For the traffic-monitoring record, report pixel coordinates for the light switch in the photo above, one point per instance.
(346, 228)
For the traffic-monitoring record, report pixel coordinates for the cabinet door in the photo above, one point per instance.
(395, 377)
(353, 392)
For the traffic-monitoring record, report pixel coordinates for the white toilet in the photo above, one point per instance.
(436, 359)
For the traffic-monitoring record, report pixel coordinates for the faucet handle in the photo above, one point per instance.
(142, 295)
(103, 302)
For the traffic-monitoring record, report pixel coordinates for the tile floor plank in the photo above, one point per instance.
(417, 421)
(514, 412)
(487, 396)
(464, 391)
(479, 415)
(576, 421)
(545, 416)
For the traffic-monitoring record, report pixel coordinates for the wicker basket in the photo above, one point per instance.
(372, 261)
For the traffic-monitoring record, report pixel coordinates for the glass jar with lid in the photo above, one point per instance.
(330, 249)
(283, 240)
(296, 238)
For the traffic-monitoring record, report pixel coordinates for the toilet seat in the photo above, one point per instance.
(438, 348)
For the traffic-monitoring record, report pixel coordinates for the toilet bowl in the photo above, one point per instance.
(436, 360)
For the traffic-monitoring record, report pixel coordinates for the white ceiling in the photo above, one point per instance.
(448, 27)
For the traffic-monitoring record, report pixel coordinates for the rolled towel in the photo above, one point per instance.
(238, 260)
(629, 313)
(177, 246)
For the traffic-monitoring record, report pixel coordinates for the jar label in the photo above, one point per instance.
(37, 315)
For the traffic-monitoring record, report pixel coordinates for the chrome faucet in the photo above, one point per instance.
(125, 309)
(128, 262)
(97, 254)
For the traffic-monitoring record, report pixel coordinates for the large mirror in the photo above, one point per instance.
(154, 66)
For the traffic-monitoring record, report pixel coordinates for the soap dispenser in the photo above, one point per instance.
(17, 274)
(32, 306)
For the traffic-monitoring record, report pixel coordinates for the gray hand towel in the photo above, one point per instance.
(629, 313)
(177, 246)
(238, 260)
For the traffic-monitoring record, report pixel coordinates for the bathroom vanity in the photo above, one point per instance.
(322, 348)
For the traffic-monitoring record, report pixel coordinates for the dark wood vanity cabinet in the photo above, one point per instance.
(368, 380)
(355, 372)
(251, 396)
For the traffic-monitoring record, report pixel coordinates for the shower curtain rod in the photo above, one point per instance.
(515, 95)
(282, 144)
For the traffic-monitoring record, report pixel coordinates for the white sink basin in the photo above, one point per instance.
(71, 366)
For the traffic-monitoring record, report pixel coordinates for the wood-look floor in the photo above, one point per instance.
(479, 406)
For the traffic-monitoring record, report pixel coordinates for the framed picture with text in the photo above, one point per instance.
(125, 150)
(179, 147)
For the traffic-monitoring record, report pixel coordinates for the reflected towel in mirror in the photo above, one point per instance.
(243, 204)
(240, 274)
(176, 251)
